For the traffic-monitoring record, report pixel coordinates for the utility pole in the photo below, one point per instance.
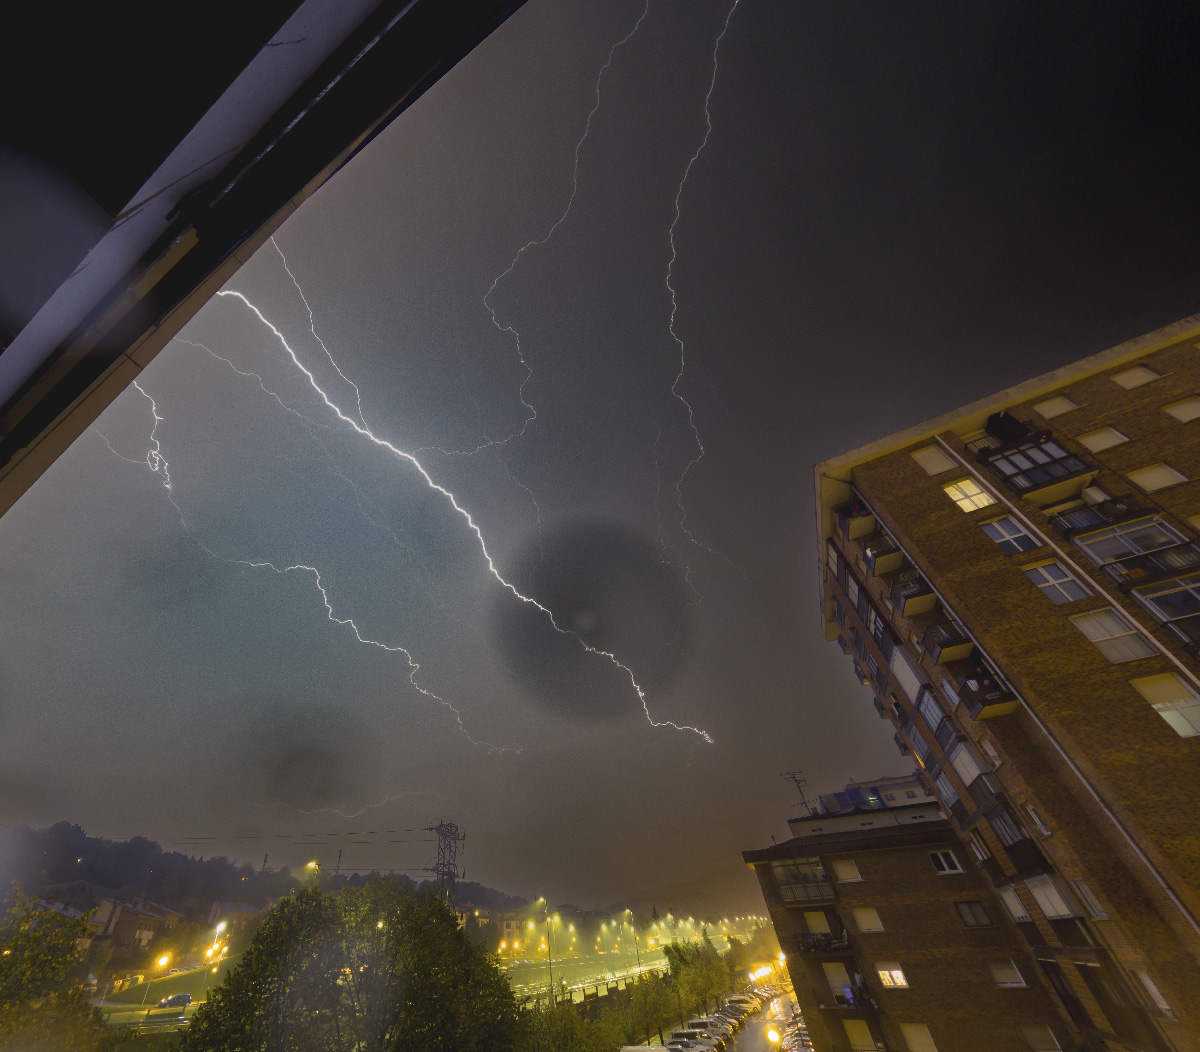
(446, 869)
(338, 868)
(264, 865)
(799, 781)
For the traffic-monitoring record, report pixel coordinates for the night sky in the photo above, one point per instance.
(902, 207)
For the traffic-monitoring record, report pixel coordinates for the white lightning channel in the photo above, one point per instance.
(700, 451)
(369, 807)
(159, 465)
(530, 411)
(466, 516)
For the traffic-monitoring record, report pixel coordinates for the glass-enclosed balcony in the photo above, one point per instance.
(855, 519)
(911, 594)
(1040, 469)
(945, 642)
(1163, 562)
(1106, 512)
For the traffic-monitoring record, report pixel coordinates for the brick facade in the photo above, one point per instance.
(1073, 791)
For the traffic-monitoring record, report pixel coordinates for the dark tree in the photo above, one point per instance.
(373, 969)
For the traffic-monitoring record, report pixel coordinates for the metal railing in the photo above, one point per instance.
(1164, 561)
(1115, 509)
(823, 942)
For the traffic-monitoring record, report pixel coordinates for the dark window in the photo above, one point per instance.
(945, 862)
(1011, 537)
(973, 914)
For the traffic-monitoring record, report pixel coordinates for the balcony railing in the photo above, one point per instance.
(883, 556)
(984, 696)
(911, 594)
(945, 734)
(984, 791)
(823, 942)
(850, 997)
(1107, 512)
(1136, 569)
(1188, 630)
(945, 642)
(1039, 468)
(855, 519)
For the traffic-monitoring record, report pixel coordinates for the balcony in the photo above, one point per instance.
(823, 942)
(1165, 562)
(1025, 855)
(911, 594)
(1039, 469)
(946, 734)
(1188, 630)
(900, 745)
(984, 791)
(985, 697)
(855, 519)
(883, 556)
(850, 997)
(946, 641)
(1106, 513)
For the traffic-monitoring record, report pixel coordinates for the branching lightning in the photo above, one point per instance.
(700, 451)
(159, 465)
(530, 411)
(369, 807)
(410, 459)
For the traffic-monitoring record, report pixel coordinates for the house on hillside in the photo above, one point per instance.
(69, 912)
(132, 922)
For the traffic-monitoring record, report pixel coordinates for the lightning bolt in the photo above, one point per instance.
(700, 451)
(370, 807)
(158, 464)
(410, 459)
(530, 411)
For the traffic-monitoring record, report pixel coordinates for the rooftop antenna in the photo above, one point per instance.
(799, 781)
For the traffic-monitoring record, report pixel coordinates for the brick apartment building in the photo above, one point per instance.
(893, 941)
(1018, 582)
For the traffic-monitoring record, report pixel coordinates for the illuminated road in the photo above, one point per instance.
(753, 1036)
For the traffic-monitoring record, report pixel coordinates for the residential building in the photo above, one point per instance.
(896, 791)
(1018, 583)
(893, 941)
(69, 912)
(132, 922)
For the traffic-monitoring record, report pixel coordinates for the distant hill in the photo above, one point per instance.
(63, 862)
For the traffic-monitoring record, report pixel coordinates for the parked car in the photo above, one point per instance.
(700, 1037)
(176, 1001)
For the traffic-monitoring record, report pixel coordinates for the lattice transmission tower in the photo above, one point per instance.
(446, 870)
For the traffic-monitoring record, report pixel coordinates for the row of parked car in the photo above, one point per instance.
(712, 1033)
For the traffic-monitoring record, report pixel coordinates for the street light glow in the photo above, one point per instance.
(162, 961)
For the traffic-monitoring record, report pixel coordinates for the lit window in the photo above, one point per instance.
(1129, 538)
(1013, 904)
(1101, 439)
(968, 495)
(1154, 993)
(973, 914)
(1056, 584)
(1186, 410)
(932, 459)
(866, 918)
(1049, 896)
(1174, 700)
(846, 869)
(1135, 377)
(1113, 636)
(1156, 477)
(1010, 536)
(1005, 973)
(1088, 898)
(917, 1037)
(945, 862)
(1055, 406)
(1039, 1037)
(890, 973)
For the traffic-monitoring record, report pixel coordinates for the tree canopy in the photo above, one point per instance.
(373, 969)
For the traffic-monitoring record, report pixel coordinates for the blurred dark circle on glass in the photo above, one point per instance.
(609, 585)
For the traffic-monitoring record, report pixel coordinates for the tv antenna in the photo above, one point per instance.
(799, 781)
